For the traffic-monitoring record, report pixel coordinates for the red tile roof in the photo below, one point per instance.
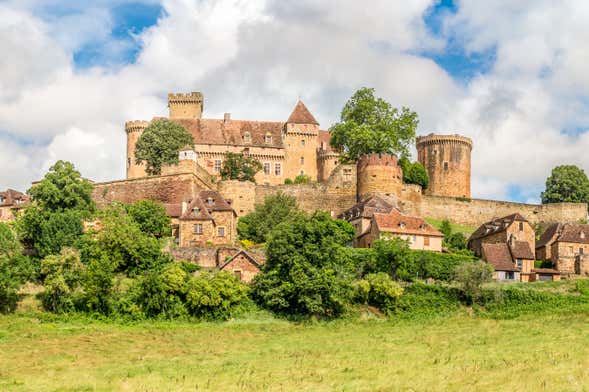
(200, 207)
(499, 257)
(549, 235)
(397, 223)
(173, 210)
(367, 207)
(496, 225)
(301, 115)
(10, 197)
(521, 250)
(248, 256)
(574, 232)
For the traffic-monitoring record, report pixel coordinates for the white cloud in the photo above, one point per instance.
(254, 58)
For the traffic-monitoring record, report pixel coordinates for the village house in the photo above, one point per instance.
(243, 266)
(566, 246)
(10, 202)
(360, 215)
(208, 219)
(420, 234)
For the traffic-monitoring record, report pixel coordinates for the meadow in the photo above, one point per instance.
(548, 352)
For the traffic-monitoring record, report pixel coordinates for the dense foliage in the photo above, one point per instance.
(369, 124)
(471, 277)
(455, 242)
(414, 173)
(309, 269)
(160, 144)
(275, 209)
(379, 290)
(151, 218)
(566, 183)
(15, 268)
(240, 167)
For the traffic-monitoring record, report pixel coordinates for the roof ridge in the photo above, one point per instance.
(301, 115)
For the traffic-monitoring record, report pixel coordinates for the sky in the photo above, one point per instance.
(511, 75)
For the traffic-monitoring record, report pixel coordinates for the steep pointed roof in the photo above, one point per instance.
(301, 115)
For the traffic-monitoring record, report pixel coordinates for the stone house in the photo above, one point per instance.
(420, 234)
(566, 246)
(285, 149)
(243, 265)
(498, 255)
(502, 230)
(208, 219)
(10, 202)
(360, 215)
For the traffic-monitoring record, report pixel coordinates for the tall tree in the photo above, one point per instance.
(566, 183)
(240, 167)
(151, 217)
(159, 145)
(369, 124)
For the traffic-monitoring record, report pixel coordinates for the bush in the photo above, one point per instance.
(471, 277)
(155, 294)
(8, 287)
(302, 179)
(98, 284)
(439, 266)
(151, 218)
(420, 299)
(288, 181)
(384, 292)
(62, 277)
(215, 296)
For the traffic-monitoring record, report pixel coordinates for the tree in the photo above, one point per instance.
(309, 270)
(567, 183)
(472, 276)
(11, 276)
(159, 145)
(276, 209)
(240, 167)
(151, 218)
(63, 188)
(215, 296)
(414, 173)
(446, 228)
(369, 124)
(63, 275)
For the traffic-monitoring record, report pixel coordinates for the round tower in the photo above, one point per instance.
(134, 129)
(447, 161)
(379, 174)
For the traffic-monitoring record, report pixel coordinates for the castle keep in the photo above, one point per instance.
(298, 146)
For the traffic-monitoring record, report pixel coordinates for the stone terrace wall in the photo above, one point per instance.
(474, 212)
(336, 195)
(167, 189)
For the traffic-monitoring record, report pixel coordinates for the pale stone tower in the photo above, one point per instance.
(186, 105)
(301, 143)
(447, 161)
(379, 174)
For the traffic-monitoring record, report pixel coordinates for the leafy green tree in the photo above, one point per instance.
(215, 296)
(309, 270)
(159, 145)
(472, 276)
(275, 209)
(9, 244)
(369, 124)
(394, 257)
(11, 276)
(98, 285)
(151, 217)
(566, 183)
(384, 292)
(240, 167)
(456, 242)
(446, 228)
(63, 188)
(121, 240)
(414, 173)
(63, 276)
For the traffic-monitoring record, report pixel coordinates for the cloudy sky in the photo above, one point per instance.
(512, 75)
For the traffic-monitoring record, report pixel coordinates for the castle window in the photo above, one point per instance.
(445, 165)
(302, 160)
(580, 251)
(198, 228)
(268, 138)
(266, 168)
(217, 166)
(247, 137)
(277, 169)
(220, 231)
(302, 173)
(302, 142)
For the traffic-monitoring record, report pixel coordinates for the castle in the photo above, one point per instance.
(298, 146)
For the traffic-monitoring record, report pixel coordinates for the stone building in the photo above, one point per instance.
(360, 215)
(286, 149)
(243, 265)
(208, 219)
(420, 234)
(513, 227)
(10, 202)
(566, 246)
(447, 161)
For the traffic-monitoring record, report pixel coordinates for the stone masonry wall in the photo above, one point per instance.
(473, 212)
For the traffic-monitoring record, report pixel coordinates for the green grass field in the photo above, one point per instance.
(544, 353)
(466, 230)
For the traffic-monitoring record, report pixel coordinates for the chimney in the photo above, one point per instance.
(227, 117)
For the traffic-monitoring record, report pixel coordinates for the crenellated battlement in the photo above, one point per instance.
(189, 105)
(136, 126)
(193, 97)
(443, 139)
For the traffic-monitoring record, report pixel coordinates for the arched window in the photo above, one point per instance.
(247, 137)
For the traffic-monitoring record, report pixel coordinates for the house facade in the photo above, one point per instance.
(10, 202)
(566, 246)
(243, 266)
(501, 230)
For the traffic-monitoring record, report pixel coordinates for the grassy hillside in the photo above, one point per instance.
(455, 353)
(466, 230)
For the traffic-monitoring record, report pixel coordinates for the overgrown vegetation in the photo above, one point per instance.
(414, 173)
(237, 166)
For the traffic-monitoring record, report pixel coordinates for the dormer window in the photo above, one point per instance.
(402, 225)
(268, 139)
(210, 201)
(247, 137)
(582, 235)
(1, 199)
(195, 210)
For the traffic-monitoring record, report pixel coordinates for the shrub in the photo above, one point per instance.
(302, 179)
(288, 181)
(246, 244)
(384, 292)
(420, 299)
(98, 284)
(155, 294)
(151, 218)
(215, 296)
(62, 277)
(471, 277)
(8, 287)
